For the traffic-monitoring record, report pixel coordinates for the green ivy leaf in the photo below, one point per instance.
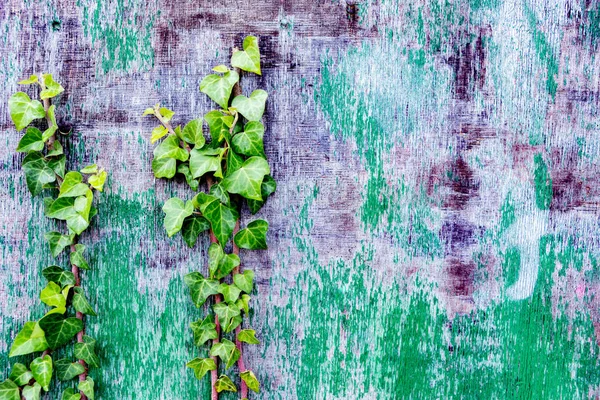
(53, 126)
(229, 316)
(247, 336)
(165, 156)
(56, 274)
(254, 236)
(20, 374)
(51, 295)
(224, 384)
(230, 292)
(192, 133)
(53, 88)
(97, 180)
(55, 150)
(253, 107)
(217, 190)
(219, 263)
(201, 366)
(41, 368)
(61, 208)
(247, 180)
(218, 125)
(164, 167)
(234, 162)
(184, 169)
(29, 340)
(244, 280)
(205, 160)
(175, 213)
(249, 59)
(77, 257)
(250, 141)
(204, 330)
(32, 79)
(166, 114)
(59, 330)
(243, 303)
(70, 394)
(31, 141)
(80, 303)
(200, 287)
(23, 110)
(221, 69)
(226, 351)
(218, 87)
(67, 370)
(202, 200)
(158, 133)
(57, 165)
(37, 172)
(222, 219)
(85, 351)
(32, 392)
(9, 391)
(72, 185)
(90, 169)
(192, 227)
(267, 188)
(58, 241)
(87, 387)
(251, 381)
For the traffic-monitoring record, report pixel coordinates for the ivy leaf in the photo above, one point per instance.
(205, 160)
(37, 172)
(97, 180)
(80, 220)
(53, 88)
(41, 368)
(220, 193)
(61, 208)
(56, 274)
(253, 107)
(31, 141)
(224, 384)
(254, 236)
(67, 370)
(229, 316)
(219, 263)
(204, 330)
(51, 295)
(251, 381)
(53, 126)
(90, 169)
(55, 150)
(20, 374)
(247, 180)
(32, 392)
(226, 351)
(202, 200)
(29, 81)
(230, 292)
(221, 68)
(87, 387)
(85, 351)
(9, 391)
(192, 133)
(29, 340)
(70, 394)
(192, 227)
(243, 302)
(201, 366)
(80, 303)
(158, 133)
(175, 212)
(249, 59)
(247, 336)
(23, 110)
(218, 87)
(184, 169)
(166, 114)
(267, 188)
(59, 330)
(222, 219)
(165, 156)
(234, 161)
(77, 257)
(244, 280)
(58, 241)
(250, 141)
(72, 185)
(164, 167)
(218, 125)
(58, 165)
(200, 288)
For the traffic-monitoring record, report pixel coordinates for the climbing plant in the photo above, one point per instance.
(233, 164)
(70, 199)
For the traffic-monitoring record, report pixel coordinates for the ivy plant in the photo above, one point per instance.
(231, 159)
(69, 198)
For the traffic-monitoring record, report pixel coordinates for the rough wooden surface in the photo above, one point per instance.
(435, 230)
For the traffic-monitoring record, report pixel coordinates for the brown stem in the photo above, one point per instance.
(168, 125)
(79, 315)
(214, 375)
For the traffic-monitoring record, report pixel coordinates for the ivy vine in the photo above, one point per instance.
(233, 164)
(71, 200)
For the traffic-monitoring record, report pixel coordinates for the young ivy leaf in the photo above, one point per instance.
(85, 351)
(204, 330)
(267, 188)
(247, 336)
(53, 126)
(247, 180)
(250, 141)
(72, 185)
(254, 236)
(244, 280)
(52, 296)
(80, 303)
(53, 88)
(184, 169)
(31, 141)
(253, 107)
(249, 59)
(230, 292)
(90, 169)
(221, 69)
(67, 370)
(200, 287)
(41, 368)
(32, 392)
(226, 351)
(219, 263)
(205, 160)
(59, 330)
(70, 394)
(87, 387)
(166, 114)
(9, 391)
(243, 303)
(158, 133)
(38, 173)
(250, 379)
(58, 241)
(224, 384)
(229, 316)
(201, 366)
(218, 87)
(175, 212)
(218, 125)
(32, 79)
(192, 227)
(20, 374)
(23, 110)
(29, 340)
(192, 133)
(77, 257)
(97, 180)
(222, 219)
(166, 155)
(234, 162)
(55, 150)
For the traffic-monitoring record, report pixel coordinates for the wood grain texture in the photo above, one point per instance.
(435, 230)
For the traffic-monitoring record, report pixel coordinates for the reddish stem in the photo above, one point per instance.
(79, 315)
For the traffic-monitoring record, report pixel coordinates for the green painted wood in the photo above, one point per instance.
(435, 229)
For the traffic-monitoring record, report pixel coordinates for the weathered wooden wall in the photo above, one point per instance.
(435, 231)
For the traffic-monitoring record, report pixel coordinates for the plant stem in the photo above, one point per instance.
(169, 127)
(46, 103)
(79, 315)
(214, 374)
